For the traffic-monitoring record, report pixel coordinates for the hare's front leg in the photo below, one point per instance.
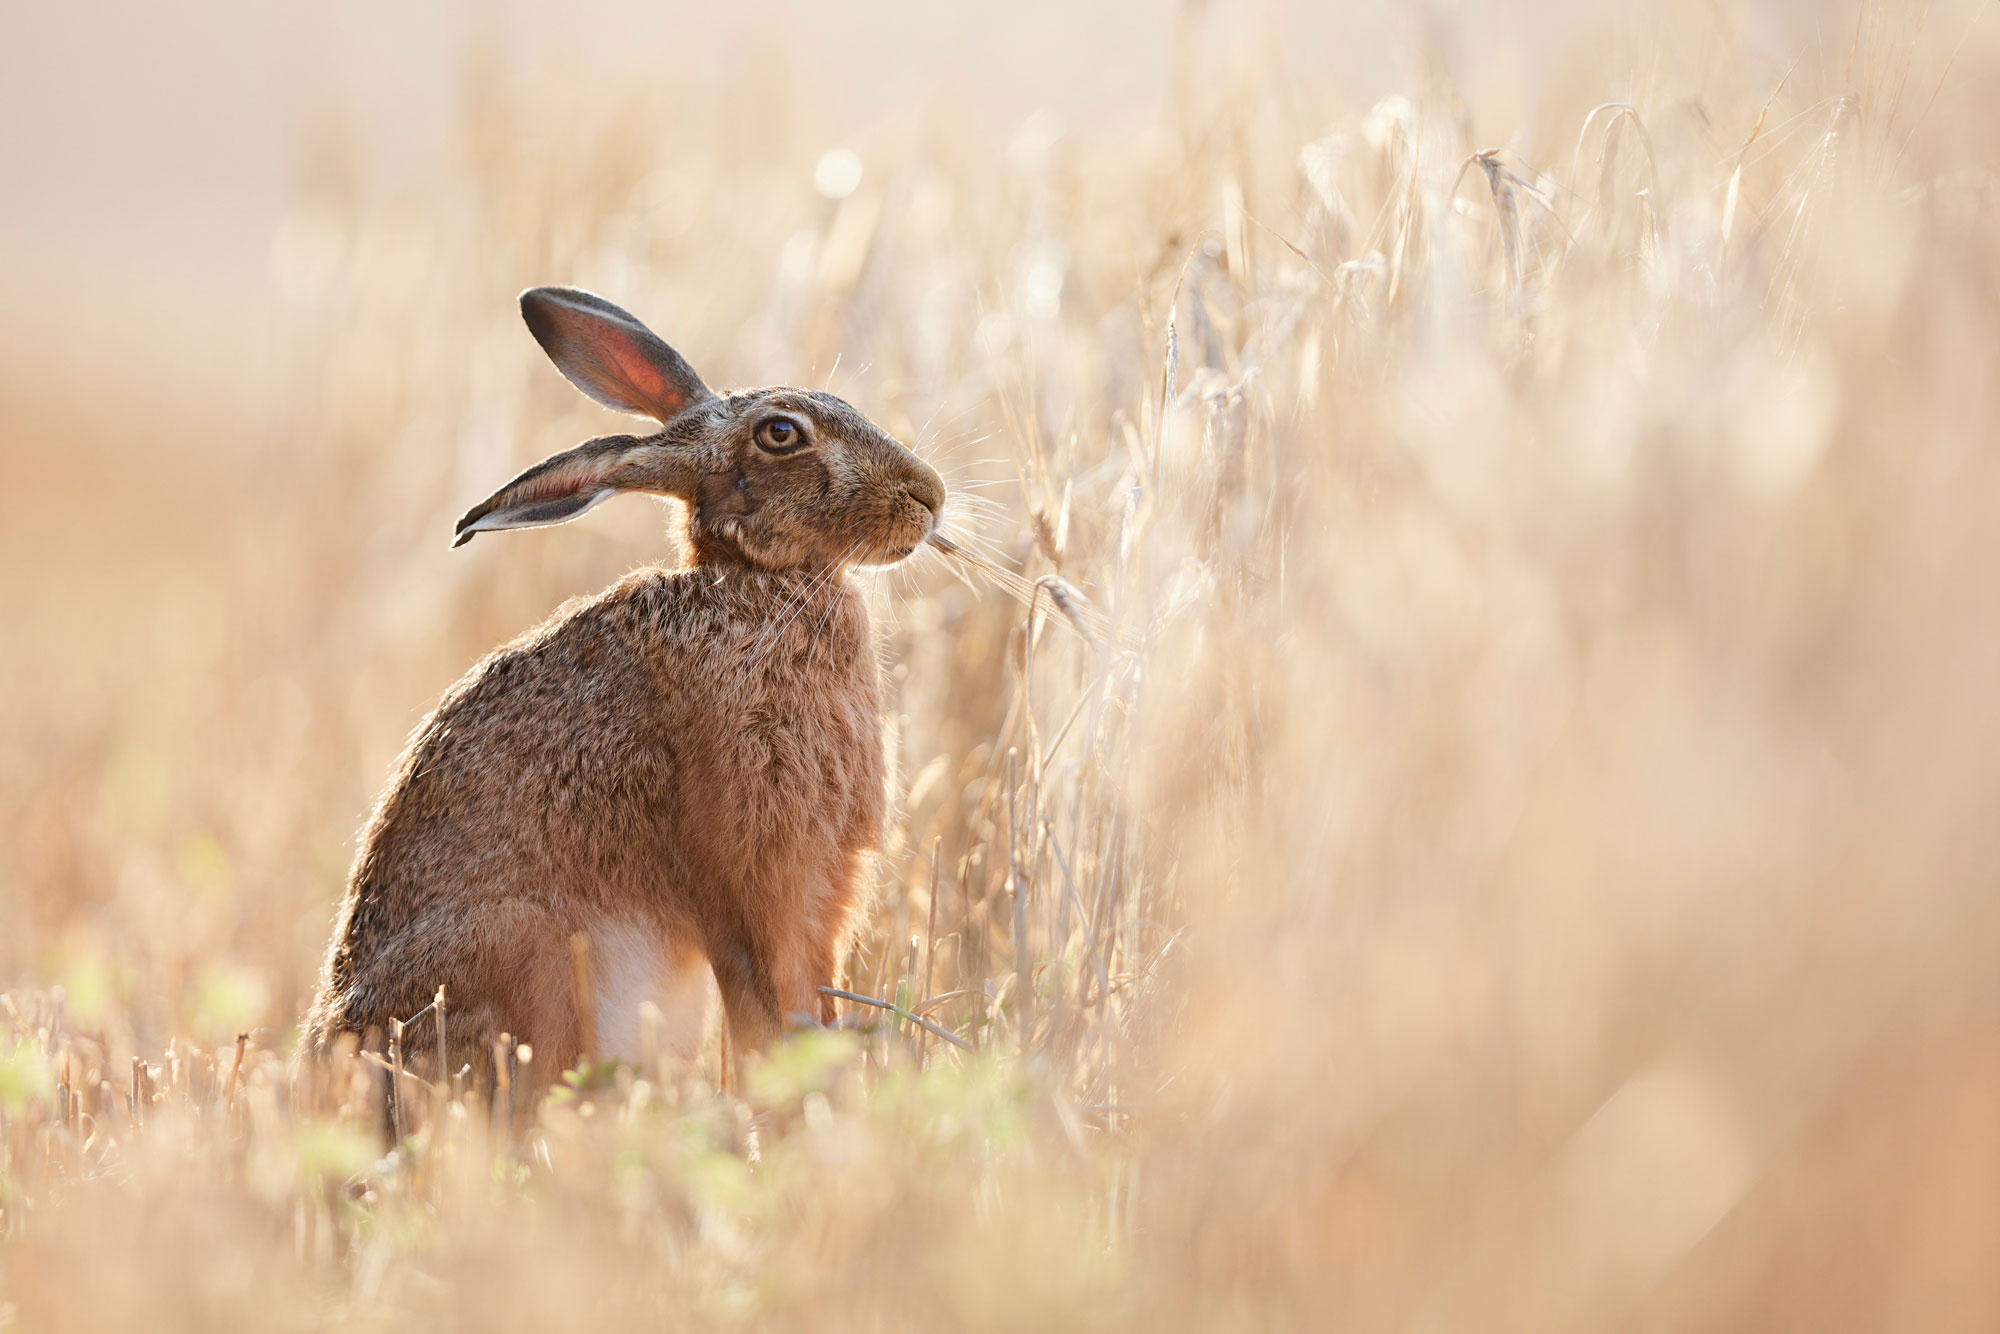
(814, 947)
(749, 996)
(769, 985)
(809, 966)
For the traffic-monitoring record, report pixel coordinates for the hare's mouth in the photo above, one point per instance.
(891, 553)
(907, 534)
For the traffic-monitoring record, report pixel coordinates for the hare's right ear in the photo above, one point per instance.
(609, 355)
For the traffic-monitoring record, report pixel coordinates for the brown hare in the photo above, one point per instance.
(686, 768)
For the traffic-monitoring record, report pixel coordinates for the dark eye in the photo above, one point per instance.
(780, 435)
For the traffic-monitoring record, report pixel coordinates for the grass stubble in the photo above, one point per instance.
(1444, 761)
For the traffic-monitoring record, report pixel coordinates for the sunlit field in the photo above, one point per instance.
(1454, 786)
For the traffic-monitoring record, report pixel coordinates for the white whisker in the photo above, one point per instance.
(1076, 610)
(789, 611)
(832, 603)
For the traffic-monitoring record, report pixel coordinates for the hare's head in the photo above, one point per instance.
(776, 478)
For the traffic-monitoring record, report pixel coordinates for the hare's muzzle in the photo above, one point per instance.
(923, 495)
(927, 489)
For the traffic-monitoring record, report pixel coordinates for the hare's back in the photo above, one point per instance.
(526, 772)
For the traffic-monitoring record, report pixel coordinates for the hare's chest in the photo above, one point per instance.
(776, 735)
(813, 748)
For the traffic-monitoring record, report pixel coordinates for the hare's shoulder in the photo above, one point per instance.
(596, 658)
(674, 638)
(586, 641)
(582, 678)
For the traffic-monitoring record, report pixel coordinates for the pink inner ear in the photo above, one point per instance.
(566, 479)
(648, 386)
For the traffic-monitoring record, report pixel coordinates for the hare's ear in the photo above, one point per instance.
(557, 489)
(609, 355)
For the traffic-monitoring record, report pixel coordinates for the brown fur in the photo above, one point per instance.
(694, 754)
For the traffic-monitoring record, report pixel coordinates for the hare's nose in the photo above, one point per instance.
(927, 489)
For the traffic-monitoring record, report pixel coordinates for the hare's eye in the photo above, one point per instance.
(780, 435)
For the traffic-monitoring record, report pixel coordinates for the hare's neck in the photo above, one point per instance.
(797, 627)
(785, 596)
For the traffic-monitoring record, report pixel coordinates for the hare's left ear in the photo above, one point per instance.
(609, 355)
(559, 488)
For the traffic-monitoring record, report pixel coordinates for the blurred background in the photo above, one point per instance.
(1492, 827)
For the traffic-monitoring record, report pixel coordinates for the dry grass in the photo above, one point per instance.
(1468, 803)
